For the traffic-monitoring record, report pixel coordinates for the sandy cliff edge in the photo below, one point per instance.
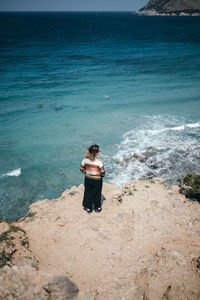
(145, 242)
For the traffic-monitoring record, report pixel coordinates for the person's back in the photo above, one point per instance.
(93, 168)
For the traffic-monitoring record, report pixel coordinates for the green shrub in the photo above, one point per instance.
(189, 185)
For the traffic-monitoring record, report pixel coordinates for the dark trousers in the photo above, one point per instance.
(92, 193)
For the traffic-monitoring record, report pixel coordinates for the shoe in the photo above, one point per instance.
(89, 211)
(98, 209)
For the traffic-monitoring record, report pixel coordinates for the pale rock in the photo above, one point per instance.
(27, 283)
(3, 227)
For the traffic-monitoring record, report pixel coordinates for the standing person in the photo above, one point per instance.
(94, 172)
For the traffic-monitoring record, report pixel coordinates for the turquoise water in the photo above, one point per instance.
(68, 80)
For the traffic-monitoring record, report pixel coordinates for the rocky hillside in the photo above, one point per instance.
(143, 245)
(171, 7)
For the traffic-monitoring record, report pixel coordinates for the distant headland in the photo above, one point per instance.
(171, 8)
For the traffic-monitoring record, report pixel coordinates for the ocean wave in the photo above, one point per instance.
(176, 128)
(193, 125)
(16, 172)
(164, 151)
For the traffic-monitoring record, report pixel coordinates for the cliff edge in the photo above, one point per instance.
(171, 8)
(143, 245)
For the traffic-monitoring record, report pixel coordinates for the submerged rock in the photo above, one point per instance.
(139, 158)
(149, 152)
(190, 186)
(149, 175)
(1, 218)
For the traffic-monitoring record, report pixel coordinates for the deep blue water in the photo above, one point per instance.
(123, 81)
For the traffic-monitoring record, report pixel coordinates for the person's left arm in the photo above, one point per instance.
(82, 167)
(101, 169)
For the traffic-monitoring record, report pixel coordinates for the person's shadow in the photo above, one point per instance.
(102, 199)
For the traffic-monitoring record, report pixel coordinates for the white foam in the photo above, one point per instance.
(16, 172)
(193, 125)
(156, 131)
(106, 96)
(178, 128)
(170, 158)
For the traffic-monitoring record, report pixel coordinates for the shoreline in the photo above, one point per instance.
(171, 14)
(121, 185)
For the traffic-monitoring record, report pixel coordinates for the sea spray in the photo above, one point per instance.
(16, 173)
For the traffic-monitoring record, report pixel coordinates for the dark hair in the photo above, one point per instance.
(91, 152)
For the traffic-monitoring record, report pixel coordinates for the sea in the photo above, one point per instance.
(128, 83)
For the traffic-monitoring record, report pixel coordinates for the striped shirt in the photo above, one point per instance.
(92, 169)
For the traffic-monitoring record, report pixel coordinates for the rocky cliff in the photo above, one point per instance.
(143, 245)
(171, 7)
